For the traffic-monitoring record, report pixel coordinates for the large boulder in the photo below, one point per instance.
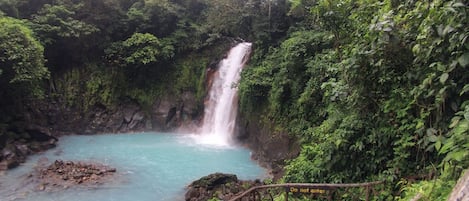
(171, 113)
(10, 158)
(211, 181)
(125, 117)
(164, 113)
(23, 142)
(218, 185)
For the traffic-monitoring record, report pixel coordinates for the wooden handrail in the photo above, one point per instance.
(306, 185)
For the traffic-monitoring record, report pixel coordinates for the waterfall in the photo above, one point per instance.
(221, 104)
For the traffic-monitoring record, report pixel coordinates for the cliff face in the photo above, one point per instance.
(166, 114)
(270, 147)
(39, 125)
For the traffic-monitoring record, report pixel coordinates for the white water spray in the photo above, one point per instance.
(222, 103)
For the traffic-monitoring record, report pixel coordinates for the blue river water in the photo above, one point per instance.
(150, 167)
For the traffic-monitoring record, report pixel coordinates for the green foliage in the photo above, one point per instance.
(22, 56)
(137, 17)
(226, 17)
(94, 85)
(56, 21)
(145, 97)
(139, 50)
(69, 88)
(9, 7)
(436, 189)
(258, 20)
(283, 72)
(384, 93)
(101, 88)
(332, 16)
(455, 145)
(190, 75)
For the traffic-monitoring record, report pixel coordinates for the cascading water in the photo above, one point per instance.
(222, 103)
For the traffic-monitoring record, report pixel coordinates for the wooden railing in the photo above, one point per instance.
(323, 190)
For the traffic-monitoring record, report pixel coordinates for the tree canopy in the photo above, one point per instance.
(22, 56)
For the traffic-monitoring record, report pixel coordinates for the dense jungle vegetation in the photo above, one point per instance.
(374, 90)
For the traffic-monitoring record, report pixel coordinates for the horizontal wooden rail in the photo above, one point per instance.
(306, 185)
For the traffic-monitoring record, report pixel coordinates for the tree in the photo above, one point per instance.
(139, 50)
(59, 21)
(21, 56)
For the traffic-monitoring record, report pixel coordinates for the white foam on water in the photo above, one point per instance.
(222, 103)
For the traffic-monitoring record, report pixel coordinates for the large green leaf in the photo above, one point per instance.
(444, 77)
(464, 59)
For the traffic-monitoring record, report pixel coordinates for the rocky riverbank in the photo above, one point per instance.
(14, 147)
(44, 121)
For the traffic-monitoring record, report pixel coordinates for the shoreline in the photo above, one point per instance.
(266, 173)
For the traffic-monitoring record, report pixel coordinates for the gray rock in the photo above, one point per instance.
(222, 186)
(136, 119)
(129, 113)
(23, 149)
(461, 190)
(3, 165)
(214, 180)
(7, 153)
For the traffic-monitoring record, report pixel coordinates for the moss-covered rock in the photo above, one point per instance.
(218, 185)
(213, 180)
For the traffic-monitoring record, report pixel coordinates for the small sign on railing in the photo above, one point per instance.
(319, 190)
(305, 190)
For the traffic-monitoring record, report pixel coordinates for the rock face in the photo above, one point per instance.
(14, 150)
(171, 113)
(166, 114)
(65, 174)
(45, 120)
(218, 185)
(271, 148)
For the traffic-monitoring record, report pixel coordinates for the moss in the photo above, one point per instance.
(213, 180)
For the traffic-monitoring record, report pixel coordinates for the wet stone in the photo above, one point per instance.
(65, 174)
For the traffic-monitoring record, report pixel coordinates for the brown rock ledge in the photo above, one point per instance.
(64, 174)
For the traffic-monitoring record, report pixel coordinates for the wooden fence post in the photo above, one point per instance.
(367, 193)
